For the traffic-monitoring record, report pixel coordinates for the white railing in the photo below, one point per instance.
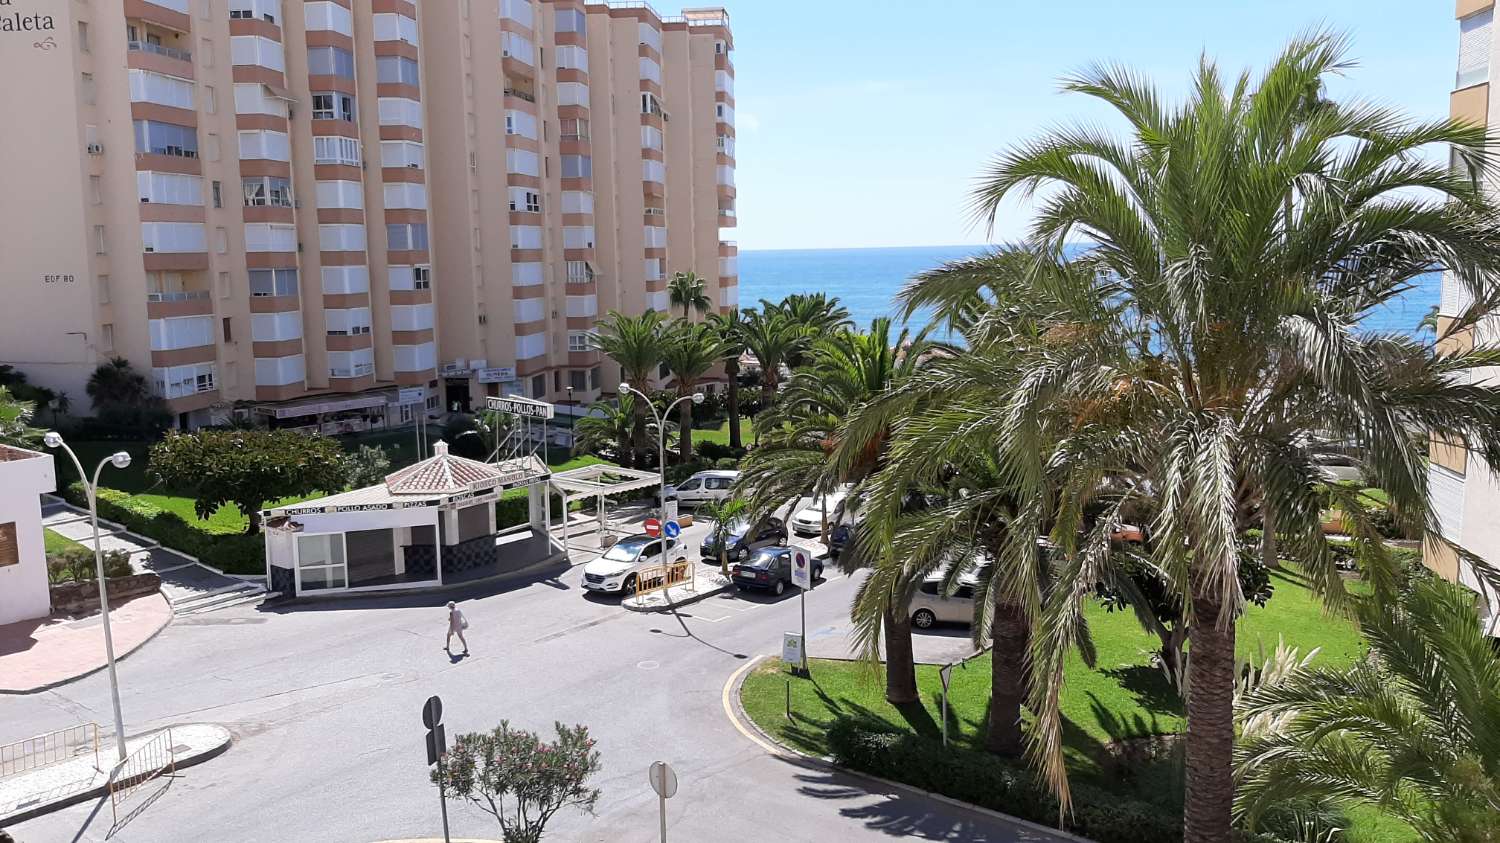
(180, 295)
(157, 49)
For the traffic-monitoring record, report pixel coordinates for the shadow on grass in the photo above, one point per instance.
(1149, 686)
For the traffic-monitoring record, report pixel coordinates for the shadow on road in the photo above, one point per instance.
(428, 598)
(688, 633)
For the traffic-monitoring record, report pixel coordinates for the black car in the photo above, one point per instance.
(838, 539)
(743, 539)
(770, 568)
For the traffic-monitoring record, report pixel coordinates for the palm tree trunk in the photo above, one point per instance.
(1210, 734)
(685, 432)
(1008, 680)
(638, 434)
(1268, 555)
(732, 369)
(900, 667)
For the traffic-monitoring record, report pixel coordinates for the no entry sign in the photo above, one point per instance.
(653, 527)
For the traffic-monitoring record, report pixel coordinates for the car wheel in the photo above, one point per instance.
(781, 541)
(743, 554)
(779, 588)
(923, 619)
(628, 589)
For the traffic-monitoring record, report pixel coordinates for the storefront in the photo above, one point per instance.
(427, 525)
(338, 416)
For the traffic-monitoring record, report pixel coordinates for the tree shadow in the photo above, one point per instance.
(1149, 686)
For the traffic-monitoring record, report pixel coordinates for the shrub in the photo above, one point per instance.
(728, 464)
(367, 466)
(76, 564)
(514, 509)
(714, 452)
(235, 554)
(985, 780)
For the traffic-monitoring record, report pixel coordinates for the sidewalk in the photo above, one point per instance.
(704, 585)
(86, 776)
(39, 654)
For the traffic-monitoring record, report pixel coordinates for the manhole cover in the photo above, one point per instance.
(648, 664)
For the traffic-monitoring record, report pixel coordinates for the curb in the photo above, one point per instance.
(101, 790)
(282, 601)
(171, 616)
(748, 727)
(697, 596)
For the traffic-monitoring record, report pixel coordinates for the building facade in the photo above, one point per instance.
(316, 210)
(1465, 492)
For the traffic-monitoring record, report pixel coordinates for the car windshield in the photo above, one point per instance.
(739, 527)
(625, 551)
(762, 559)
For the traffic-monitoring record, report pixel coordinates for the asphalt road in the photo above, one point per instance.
(324, 702)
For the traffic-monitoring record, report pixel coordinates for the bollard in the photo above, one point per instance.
(789, 699)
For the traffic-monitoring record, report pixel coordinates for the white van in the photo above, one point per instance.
(703, 487)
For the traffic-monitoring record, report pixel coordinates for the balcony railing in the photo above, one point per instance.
(157, 49)
(577, 136)
(179, 295)
(357, 371)
(529, 97)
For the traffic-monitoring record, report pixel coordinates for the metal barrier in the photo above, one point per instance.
(147, 763)
(662, 577)
(51, 748)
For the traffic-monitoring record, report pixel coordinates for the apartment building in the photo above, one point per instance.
(337, 215)
(1464, 491)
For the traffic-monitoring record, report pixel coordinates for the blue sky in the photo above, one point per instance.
(865, 123)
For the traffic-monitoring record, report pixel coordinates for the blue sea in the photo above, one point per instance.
(867, 280)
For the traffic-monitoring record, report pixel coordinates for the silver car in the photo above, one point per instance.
(930, 607)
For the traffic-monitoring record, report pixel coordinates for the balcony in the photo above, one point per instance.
(159, 50)
(520, 94)
(179, 295)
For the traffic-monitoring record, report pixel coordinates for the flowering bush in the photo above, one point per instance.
(521, 781)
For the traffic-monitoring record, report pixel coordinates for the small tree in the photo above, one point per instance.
(520, 781)
(723, 514)
(15, 420)
(367, 466)
(247, 468)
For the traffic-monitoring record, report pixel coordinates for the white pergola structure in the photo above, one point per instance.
(594, 482)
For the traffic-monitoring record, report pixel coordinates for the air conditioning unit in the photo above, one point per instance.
(96, 149)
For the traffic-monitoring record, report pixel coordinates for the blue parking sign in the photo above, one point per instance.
(671, 529)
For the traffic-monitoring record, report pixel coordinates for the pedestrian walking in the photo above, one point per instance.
(457, 623)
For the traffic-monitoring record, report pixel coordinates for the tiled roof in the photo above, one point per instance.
(442, 474)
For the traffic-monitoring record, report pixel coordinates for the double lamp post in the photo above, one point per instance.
(661, 435)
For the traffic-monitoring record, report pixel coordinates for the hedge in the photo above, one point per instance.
(231, 553)
(982, 779)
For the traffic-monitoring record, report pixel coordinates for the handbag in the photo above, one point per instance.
(463, 622)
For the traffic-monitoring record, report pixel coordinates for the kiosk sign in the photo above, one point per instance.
(517, 406)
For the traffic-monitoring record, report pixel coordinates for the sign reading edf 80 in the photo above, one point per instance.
(520, 407)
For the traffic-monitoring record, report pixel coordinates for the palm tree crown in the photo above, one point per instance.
(689, 352)
(689, 292)
(636, 344)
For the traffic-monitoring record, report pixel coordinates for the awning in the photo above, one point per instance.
(593, 480)
(314, 407)
(278, 93)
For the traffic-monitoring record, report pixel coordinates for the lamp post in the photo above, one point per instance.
(119, 459)
(661, 435)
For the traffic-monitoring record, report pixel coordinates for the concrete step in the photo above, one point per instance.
(228, 601)
(216, 598)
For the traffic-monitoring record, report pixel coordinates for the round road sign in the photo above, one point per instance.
(653, 527)
(432, 712)
(672, 529)
(663, 779)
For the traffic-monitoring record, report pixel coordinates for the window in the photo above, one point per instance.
(570, 20)
(573, 57)
(155, 88)
(726, 145)
(517, 47)
(96, 190)
(650, 137)
(83, 37)
(411, 277)
(650, 36)
(406, 195)
(280, 371)
(221, 240)
(650, 104)
(654, 171)
(580, 341)
(520, 123)
(351, 364)
(335, 149)
(180, 332)
(720, 48)
(656, 237)
(578, 237)
(174, 237)
(539, 386)
(403, 237)
(1474, 39)
(654, 270)
(156, 138)
(574, 128)
(522, 199)
(401, 154)
(107, 337)
(399, 111)
(327, 16)
(723, 81)
(518, 11)
(273, 282)
(580, 272)
(347, 322)
(275, 327)
(396, 70)
(256, 50)
(341, 237)
(526, 274)
(266, 10)
(210, 100)
(182, 381)
(86, 83)
(255, 98)
(414, 358)
(522, 162)
(340, 194)
(526, 237)
(577, 167)
(267, 191)
(320, 559)
(393, 27)
(265, 144)
(270, 237)
(650, 70)
(333, 106)
(724, 113)
(228, 330)
(102, 286)
(211, 147)
(218, 189)
(342, 280)
(330, 61)
(226, 286)
(411, 317)
(572, 93)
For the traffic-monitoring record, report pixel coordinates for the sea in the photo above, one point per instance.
(866, 281)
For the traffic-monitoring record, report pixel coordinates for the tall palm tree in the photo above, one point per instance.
(731, 329)
(773, 338)
(803, 433)
(636, 344)
(689, 292)
(1413, 728)
(817, 314)
(1215, 342)
(689, 351)
(117, 382)
(607, 427)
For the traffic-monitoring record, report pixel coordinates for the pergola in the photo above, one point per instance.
(596, 481)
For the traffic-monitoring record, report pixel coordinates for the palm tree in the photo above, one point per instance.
(805, 449)
(635, 343)
(689, 351)
(1215, 342)
(117, 383)
(816, 314)
(688, 291)
(731, 329)
(15, 421)
(721, 516)
(607, 427)
(1412, 729)
(773, 339)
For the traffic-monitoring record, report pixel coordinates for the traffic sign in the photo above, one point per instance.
(672, 529)
(653, 527)
(801, 569)
(432, 712)
(437, 747)
(663, 779)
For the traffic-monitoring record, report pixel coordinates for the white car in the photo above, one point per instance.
(703, 487)
(809, 521)
(617, 569)
(929, 606)
(1337, 468)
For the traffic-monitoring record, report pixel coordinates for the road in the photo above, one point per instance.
(324, 702)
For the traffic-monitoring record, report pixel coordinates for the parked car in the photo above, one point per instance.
(618, 569)
(838, 539)
(809, 521)
(929, 606)
(743, 538)
(770, 568)
(1337, 468)
(703, 487)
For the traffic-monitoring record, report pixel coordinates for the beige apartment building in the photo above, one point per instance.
(332, 214)
(1464, 491)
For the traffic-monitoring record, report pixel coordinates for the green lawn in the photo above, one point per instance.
(56, 542)
(721, 433)
(1123, 697)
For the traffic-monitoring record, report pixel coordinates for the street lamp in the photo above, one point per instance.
(661, 435)
(118, 459)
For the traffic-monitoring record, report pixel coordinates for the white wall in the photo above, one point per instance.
(24, 477)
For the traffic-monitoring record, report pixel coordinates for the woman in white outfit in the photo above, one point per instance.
(457, 623)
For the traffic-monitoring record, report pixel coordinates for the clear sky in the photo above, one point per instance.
(865, 123)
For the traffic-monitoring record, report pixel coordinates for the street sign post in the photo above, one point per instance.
(672, 529)
(437, 747)
(802, 579)
(945, 673)
(669, 509)
(664, 782)
(653, 527)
